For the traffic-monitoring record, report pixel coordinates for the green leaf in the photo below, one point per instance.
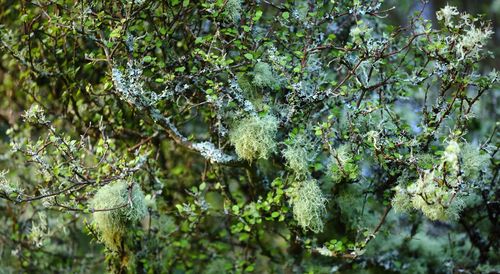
(179, 207)
(249, 56)
(203, 186)
(235, 208)
(198, 40)
(116, 32)
(257, 16)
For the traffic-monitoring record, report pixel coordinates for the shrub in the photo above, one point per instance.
(247, 136)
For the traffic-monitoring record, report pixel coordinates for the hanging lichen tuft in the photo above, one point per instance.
(263, 76)
(233, 10)
(114, 206)
(308, 203)
(254, 137)
(299, 152)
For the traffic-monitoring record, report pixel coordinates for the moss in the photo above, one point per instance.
(428, 248)
(426, 161)
(308, 203)
(254, 137)
(245, 85)
(488, 268)
(356, 212)
(165, 223)
(125, 206)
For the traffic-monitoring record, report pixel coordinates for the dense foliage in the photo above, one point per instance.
(246, 136)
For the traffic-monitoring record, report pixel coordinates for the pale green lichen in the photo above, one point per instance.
(446, 15)
(298, 153)
(436, 201)
(136, 2)
(343, 165)
(473, 41)
(450, 155)
(35, 114)
(308, 203)
(436, 192)
(115, 205)
(401, 201)
(233, 10)
(263, 76)
(6, 186)
(39, 230)
(254, 137)
(473, 161)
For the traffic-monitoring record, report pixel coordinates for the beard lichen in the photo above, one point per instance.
(299, 153)
(115, 205)
(474, 162)
(254, 137)
(263, 76)
(343, 165)
(437, 192)
(308, 203)
(233, 10)
(436, 202)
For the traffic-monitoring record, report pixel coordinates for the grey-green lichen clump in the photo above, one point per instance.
(436, 202)
(254, 137)
(308, 203)
(437, 192)
(299, 152)
(263, 76)
(473, 161)
(233, 10)
(342, 165)
(114, 206)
